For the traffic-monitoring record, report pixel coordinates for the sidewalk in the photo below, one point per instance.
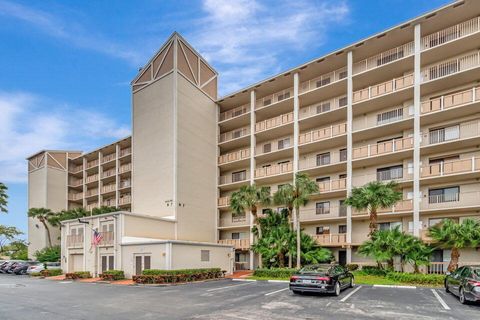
(240, 274)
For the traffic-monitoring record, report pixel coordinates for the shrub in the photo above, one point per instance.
(78, 275)
(50, 272)
(352, 266)
(173, 276)
(36, 274)
(373, 271)
(274, 273)
(48, 254)
(111, 275)
(416, 278)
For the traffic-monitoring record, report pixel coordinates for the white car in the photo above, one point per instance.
(39, 266)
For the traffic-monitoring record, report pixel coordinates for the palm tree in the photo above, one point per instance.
(43, 215)
(456, 236)
(418, 254)
(373, 196)
(250, 198)
(3, 198)
(294, 196)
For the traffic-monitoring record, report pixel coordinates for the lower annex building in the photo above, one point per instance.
(401, 105)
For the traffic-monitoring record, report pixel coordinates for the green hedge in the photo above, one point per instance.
(352, 266)
(155, 276)
(416, 278)
(373, 271)
(51, 272)
(274, 273)
(78, 275)
(111, 275)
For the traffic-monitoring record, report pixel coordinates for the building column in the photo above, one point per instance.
(296, 104)
(117, 178)
(253, 97)
(417, 134)
(349, 150)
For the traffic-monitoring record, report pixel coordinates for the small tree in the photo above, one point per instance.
(455, 236)
(17, 250)
(48, 254)
(418, 254)
(8, 234)
(3, 198)
(373, 196)
(43, 215)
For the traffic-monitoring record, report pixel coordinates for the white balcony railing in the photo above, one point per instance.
(461, 131)
(109, 188)
(405, 205)
(451, 100)
(240, 244)
(383, 88)
(381, 148)
(322, 107)
(385, 57)
(451, 201)
(451, 33)
(273, 170)
(234, 156)
(75, 240)
(75, 196)
(233, 178)
(323, 80)
(125, 199)
(323, 133)
(125, 168)
(274, 98)
(450, 167)
(126, 151)
(234, 134)
(452, 66)
(223, 201)
(385, 117)
(92, 178)
(332, 185)
(274, 122)
(109, 157)
(92, 163)
(233, 113)
(331, 239)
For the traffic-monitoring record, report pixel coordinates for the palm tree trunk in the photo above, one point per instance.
(281, 260)
(255, 222)
(290, 257)
(299, 252)
(453, 265)
(373, 222)
(49, 238)
(415, 268)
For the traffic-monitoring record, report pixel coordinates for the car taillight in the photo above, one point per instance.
(293, 278)
(326, 279)
(474, 283)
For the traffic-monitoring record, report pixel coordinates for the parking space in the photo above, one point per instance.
(224, 299)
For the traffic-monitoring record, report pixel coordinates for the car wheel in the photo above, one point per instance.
(352, 282)
(461, 296)
(337, 289)
(296, 292)
(446, 287)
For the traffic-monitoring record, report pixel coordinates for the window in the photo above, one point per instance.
(323, 230)
(267, 147)
(343, 208)
(441, 195)
(239, 217)
(323, 82)
(444, 134)
(342, 102)
(343, 155)
(283, 96)
(322, 207)
(239, 176)
(443, 159)
(205, 255)
(266, 102)
(390, 173)
(235, 235)
(108, 262)
(342, 176)
(237, 134)
(389, 226)
(323, 107)
(342, 228)
(284, 143)
(390, 116)
(142, 262)
(323, 159)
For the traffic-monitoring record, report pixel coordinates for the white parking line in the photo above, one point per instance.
(350, 294)
(444, 305)
(393, 286)
(273, 292)
(229, 287)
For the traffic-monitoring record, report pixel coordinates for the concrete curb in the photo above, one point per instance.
(254, 280)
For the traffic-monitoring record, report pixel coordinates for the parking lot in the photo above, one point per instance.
(24, 298)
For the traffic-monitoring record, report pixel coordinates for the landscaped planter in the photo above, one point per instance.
(112, 275)
(78, 275)
(177, 276)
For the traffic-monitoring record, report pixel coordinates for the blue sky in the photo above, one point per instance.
(66, 66)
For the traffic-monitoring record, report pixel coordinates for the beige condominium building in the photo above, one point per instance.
(402, 105)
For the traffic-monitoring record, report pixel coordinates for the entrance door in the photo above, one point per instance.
(142, 262)
(108, 263)
(342, 257)
(76, 262)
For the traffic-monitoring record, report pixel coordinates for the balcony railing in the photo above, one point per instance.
(75, 196)
(385, 57)
(383, 88)
(451, 100)
(274, 145)
(386, 147)
(75, 241)
(332, 185)
(274, 98)
(91, 192)
(234, 221)
(109, 202)
(322, 107)
(75, 182)
(232, 178)
(451, 200)
(274, 122)
(234, 134)
(397, 175)
(451, 33)
(223, 201)
(125, 168)
(323, 80)
(124, 184)
(239, 244)
(92, 163)
(125, 199)
(109, 157)
(273, 170)
(314, 161)
(75, 169)
(126, 151)
(107, 238)
(108, 173)
(92, 206)
(451, 167)
(331, 239)
(236, 112)
(91, 178)
(383, 118)
(234, 156)
(452, 133)
(452, 66)
(332, 210)
(323, 133)
(109, 188)
(405, 205)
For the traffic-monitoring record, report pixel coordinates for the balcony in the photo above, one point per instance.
(277, 122)
(392, 148)
(125, 152)
(327, 108)
(75, 241)
(125, 168)
(276, 98)
(401, 176)
(331, 240)
(75, 169)
(91, 193)
(231, 221)
(384, 58)
(75, 182)
(109, 188)
(335, 161)
(92, 163)
(233, 179)
(109, 157)
(235, 138)
(109, 202)
(447, 138)
(309, 139)
(402, 206)
(274, 170)
(223, 202)
(332, 185)
(107, 238)
(108, 173)
(463, 201)
(91, 206)
(238, 244)
(125, 199)
(92, 178)
(275, 149)
(327, 213)
(233, 113)
(75, 196)
(234, 156)
(331, 84)
(125, 184)
(379, 124)
(323, 80)
(450, 168)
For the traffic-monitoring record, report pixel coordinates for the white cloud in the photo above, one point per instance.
(247, 40)
(30, 123)
(70, 31)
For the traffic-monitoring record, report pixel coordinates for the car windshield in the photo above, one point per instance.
(315, 268)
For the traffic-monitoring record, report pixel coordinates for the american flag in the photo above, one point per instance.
(97, 238)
